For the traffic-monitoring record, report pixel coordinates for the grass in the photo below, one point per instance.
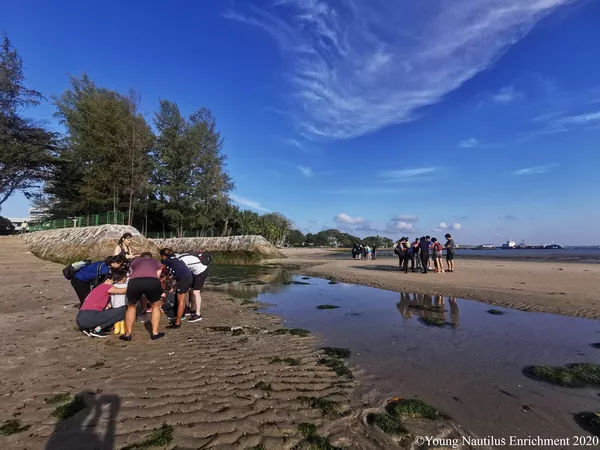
(338, 366)
(160, 437)
(13, 426)
(414, 408)
(574, 375)
(386, 423)
(327, 407)
(288, 361)
(263, 386)
(58, 398)
(327, 307)
(67, 410)
(433, 321)
(496, 312)
(336, 352)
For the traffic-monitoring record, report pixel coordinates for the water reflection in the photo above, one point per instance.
(428, 306)
(247, 282)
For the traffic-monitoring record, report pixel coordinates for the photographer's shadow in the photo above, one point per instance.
(80, 430)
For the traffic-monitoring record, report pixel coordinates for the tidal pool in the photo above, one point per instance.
(470, 367)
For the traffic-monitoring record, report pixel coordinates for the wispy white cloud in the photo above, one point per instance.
(507, 217)
(367, 191)
(248, 203)
(362, 65)
(535, 170)
(345, 219)
(306, 171)
(443, 226)
(505, 95)
(406, 218)
(468, 143)
(406, 173)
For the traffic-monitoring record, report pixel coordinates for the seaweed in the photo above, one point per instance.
(327, 307)
(496, 312)
(160, 437)
(67, 410)
(13, 426)
(434, 321)
(574, 375)
(263, 386)
(336, 352)
(338, 366)
(414, 408)
(327, 407)
(299, 332)
(58, 398)
(386, 423)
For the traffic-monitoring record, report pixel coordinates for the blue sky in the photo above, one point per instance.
(371, 116)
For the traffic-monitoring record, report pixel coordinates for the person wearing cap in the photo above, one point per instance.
(449, 252)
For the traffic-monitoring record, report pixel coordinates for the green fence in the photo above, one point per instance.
(211, 232)
(112, 217)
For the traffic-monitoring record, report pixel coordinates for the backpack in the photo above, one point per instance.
(438, 247)
(70, 271)
(100, 278)
(205, 258)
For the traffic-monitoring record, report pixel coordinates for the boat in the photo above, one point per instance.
(510, 244)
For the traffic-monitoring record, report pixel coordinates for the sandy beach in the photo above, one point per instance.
(217, 389)
(570, 289)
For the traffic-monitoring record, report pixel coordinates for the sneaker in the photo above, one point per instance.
(98, 334)
(157, 336)
(85, 332)
(173, 326)
(195, 318)
(125, 338)
(183, 317)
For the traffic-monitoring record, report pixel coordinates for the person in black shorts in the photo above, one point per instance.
(184, 280)
(144, 281)
(449, 252)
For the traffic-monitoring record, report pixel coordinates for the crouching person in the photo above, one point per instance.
(144, 280)
(96, 313)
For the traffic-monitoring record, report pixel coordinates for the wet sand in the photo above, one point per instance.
(201, 382)
(570, 289)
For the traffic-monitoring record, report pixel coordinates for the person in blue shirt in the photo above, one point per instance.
(91, 275)
(184, 280)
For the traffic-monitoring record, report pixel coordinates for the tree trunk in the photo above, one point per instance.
(131, 181)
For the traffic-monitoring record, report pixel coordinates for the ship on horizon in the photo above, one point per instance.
(510, 244)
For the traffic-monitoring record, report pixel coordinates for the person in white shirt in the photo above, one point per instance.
(200, 273)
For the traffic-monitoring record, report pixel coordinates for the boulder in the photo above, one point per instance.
(238, 249)
(66, 245)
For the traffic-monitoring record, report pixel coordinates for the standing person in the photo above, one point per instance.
(368, 252)
(123, 247)
(405, 249)
(199, 273)
(416, 258)
(91, 275)
(424, 250)
(144, 281)
(449, 252)
(95, 314)
(184, 280)
(354, 251)
(374, 252)
(437, 255)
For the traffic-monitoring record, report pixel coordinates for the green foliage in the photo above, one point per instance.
(378, 241)
(327, 407)
(295, 238)
(386, 423)
(575, 375)
(25, 148)
(67, 410)
(6, 226)
(12, 427)
(414, 408)
(161, 437)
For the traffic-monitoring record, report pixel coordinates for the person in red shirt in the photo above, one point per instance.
(95, 313)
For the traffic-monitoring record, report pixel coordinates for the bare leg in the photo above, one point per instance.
(130, 319)
(197, 303)
(155, 317)
(180, 308)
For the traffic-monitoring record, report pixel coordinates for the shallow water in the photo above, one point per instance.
(470, 368)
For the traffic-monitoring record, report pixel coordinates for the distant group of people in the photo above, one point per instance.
(366, 252)
(112, 292)
(424, 251)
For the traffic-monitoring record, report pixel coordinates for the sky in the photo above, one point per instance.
(390, 117)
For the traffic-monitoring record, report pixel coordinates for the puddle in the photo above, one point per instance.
(470, 367)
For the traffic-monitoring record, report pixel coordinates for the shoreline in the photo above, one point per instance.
(540, 286)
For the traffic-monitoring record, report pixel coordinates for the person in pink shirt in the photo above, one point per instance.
(95, 313)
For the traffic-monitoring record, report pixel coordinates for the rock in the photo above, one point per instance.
(67, 245)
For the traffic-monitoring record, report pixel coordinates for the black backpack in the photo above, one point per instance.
(205, 258)
(70, 271)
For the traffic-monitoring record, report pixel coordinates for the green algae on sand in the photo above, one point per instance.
(574, 375)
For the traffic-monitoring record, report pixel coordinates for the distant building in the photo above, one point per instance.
(21, 224)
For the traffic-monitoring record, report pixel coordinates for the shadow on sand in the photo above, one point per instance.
(80, 430)
(379, 268)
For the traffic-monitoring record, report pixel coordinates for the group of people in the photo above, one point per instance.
(423, 251)
(366, 252)
(111, 291)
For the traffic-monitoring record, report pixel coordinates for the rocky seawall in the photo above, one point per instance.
(232, 249)
(67, 245)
